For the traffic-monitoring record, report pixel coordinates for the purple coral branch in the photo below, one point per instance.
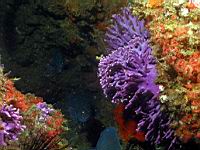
(125, 28)
(10, 123)
(128, 75)
(45, 111)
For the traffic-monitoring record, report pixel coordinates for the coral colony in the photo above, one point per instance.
(11, 125)
(23, 114)
(128, 73)
(128, 66)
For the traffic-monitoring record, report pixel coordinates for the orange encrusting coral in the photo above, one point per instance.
(17, 99)
(55, 123)
(189, 128)
(13, 96)
(35, 100)
(189, 67)
(191, 5)
(173, 37)
(194, 99)
(172, 44)
(155, 3)
(127, 128)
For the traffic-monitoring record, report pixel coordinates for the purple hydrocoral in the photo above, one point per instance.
(128, 75)
(10, 123)
(45, 111)
(154, 122)
(125, 27)
(130, 69)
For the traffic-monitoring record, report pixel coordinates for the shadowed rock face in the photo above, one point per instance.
(46, 49)
(35, 31)
(52, 45)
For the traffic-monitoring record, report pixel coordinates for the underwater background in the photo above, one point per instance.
(99, 74)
